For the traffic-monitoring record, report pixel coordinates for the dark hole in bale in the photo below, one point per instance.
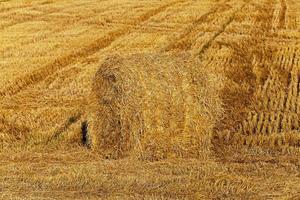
(84, 133)
(72, 119)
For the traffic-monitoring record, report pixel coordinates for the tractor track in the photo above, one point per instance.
(183, 41)
(189, 35)
(282, 14)
(206, 46)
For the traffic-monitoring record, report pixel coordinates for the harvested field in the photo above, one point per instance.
(135, 99)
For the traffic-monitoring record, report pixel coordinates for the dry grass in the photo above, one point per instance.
(201, 103)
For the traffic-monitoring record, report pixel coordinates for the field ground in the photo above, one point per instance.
(50, 51)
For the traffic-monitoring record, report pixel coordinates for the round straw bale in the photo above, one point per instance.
(153, 107)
